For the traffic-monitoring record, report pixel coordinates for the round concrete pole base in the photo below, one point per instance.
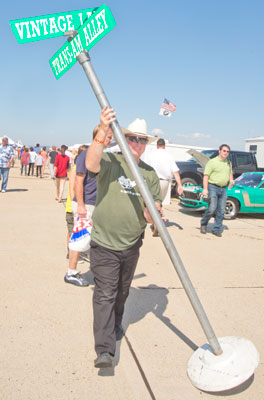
(234, 366)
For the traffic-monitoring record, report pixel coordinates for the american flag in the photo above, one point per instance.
(168, 105)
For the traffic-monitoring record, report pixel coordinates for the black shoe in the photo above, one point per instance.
(104, 360)
(119, 332)
(218, 234)
(203, 229)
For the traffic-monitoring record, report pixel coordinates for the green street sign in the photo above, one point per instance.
(48, 26)
(94, 29)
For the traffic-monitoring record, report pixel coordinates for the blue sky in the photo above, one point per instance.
(205, 56)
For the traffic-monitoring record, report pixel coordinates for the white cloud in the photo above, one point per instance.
(198, 135)
(195, 135)
(157, 132)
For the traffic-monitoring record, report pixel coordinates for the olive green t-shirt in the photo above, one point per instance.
(118, 220)
(218, 171)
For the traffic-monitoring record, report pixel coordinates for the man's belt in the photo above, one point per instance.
(218, 185)
(162, 179)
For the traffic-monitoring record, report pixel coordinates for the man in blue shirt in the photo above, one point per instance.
(37, 148)
(6, 158)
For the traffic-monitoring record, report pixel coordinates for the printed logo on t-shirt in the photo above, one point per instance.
(127, 184)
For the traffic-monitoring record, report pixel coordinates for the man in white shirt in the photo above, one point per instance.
(165, 167)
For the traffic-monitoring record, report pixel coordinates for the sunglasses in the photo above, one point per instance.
(137, 139)
(225, 151)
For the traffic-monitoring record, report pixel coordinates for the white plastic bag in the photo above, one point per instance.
(81, 235)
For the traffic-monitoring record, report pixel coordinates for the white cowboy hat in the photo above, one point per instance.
(139, 128)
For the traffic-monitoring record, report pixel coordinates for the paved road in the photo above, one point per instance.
(46, 325)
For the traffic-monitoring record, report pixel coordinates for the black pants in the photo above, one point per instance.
(113, 273)
(31, 168)
(39, 170)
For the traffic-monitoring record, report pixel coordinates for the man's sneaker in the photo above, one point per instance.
(3, 191)
(104, 360)
(218, 234)
(76, 279)
(119, 332)
(203, 229)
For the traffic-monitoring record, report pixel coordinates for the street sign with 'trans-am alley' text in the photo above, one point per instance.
(93, 29)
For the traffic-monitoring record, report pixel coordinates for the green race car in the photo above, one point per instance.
(246, 196)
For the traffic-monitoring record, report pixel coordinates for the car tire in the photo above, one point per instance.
(188, 181)
(185, 182)
(231, 208)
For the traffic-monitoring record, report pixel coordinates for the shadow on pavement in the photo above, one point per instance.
(210, 227)
(89, 277)
(168, 224)
(191, 213)
(153, 299)
(17, 190)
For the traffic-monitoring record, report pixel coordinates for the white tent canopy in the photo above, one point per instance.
(77, 145)
(12, 142)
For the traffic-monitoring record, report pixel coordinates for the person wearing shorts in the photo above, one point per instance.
(68, 209)
(61, 166)
(82, 206)
(70, 225)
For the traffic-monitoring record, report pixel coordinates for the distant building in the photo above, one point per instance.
(256, 146)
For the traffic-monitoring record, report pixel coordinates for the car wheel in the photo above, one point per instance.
(231, 208)
(188, 182)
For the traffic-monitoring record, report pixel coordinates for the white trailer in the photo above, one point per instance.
(178, 151)
(256, 146)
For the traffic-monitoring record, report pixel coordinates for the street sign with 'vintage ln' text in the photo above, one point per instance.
(48, 26)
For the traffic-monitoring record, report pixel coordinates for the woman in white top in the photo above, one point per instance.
(32, 159)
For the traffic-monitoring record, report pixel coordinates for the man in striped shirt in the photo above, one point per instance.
(6, 158)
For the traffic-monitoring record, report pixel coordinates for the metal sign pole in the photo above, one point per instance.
(85, 62)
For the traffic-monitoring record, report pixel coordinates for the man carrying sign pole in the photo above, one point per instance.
(117, 234)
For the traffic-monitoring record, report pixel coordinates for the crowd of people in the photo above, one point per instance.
(102, 188)
(34, 160)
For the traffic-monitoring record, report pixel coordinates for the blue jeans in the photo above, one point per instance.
(4, 172)
(25, 168)
(217, 197)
